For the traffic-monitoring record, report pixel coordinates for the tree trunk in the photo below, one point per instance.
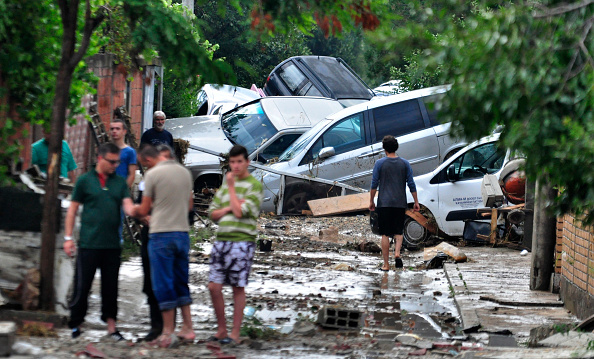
(543, 238)
(49, 223)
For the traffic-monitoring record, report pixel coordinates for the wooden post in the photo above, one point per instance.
(493, 233)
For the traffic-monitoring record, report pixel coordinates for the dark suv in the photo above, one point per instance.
(317, 76)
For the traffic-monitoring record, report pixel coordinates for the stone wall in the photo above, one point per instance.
(577, 266)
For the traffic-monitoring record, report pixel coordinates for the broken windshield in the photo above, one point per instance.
(302, 142)
(248, 126)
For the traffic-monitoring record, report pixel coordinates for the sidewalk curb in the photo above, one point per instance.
(470, 320)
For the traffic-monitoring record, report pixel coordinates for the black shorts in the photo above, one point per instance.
(390, 220)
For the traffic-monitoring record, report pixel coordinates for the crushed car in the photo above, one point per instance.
(266, 127)
(345, 146)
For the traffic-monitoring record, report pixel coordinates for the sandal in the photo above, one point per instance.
(229, 341)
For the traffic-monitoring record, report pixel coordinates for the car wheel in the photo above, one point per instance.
(414, 234)
(296, 199)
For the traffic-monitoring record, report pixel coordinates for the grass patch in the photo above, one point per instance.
(252, 327)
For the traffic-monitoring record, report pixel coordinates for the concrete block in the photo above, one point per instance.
(338, 317)
(7, 336)
(571, 339)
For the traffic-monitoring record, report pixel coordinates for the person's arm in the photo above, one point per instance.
(372, 196)
(128, 206)
(234, 202)
(71, 176)
(131, 175)
(217, 214)
(143, 208)
(416, 206)
(412, 187)
(69, 246)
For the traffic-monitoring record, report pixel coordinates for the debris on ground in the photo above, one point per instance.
(446, 248)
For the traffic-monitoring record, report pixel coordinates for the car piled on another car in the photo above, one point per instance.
(266, 127)
(345, 146)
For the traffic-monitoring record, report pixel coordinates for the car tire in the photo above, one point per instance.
(414, 235)
(296, 198)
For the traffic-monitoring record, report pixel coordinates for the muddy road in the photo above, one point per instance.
(314, 269)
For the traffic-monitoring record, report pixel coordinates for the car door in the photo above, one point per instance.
(460, 190)
(417, 141)
(349, 164)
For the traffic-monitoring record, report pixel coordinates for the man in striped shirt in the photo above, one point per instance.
(235, 207)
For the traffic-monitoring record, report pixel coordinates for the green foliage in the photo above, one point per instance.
(29, 58)
(198, 236)
(414, 76)
(525, 66)
(179, 93)
(252, 59)
(252, 327)
(172, 32)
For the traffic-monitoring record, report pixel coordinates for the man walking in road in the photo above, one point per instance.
(102, 193)
(391, 174)
(168, 196)
(158, 134)
(235, 207)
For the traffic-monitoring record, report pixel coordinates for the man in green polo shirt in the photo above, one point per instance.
(101, 192)
(39, 154)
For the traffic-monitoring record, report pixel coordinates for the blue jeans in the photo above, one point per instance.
(168, 255)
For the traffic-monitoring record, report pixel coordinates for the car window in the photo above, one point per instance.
(302, 142)
(202, 103)
(292, 77)
(397, 119)
(248, 126)
(280, 145)
(479, 161)
(344, 136)
(310, 90)
(433, 104)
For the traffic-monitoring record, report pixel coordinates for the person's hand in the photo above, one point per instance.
(416, 207)
(145, 220)
(69, 248)
(230, 179)
(372, 206)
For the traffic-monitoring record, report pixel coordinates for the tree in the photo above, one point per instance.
(155, 27)
(526, 66)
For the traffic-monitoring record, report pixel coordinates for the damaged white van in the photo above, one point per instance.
(452, 192)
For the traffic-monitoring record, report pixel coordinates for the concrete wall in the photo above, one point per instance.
(577, 266)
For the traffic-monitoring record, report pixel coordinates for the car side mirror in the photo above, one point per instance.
(452, 177)
(326, 152)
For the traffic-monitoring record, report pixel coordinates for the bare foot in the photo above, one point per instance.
(186, 335)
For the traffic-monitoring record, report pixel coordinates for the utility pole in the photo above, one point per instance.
(543, 238)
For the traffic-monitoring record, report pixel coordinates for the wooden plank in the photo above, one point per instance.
(338, 205)
(422, 220)
(493, 234)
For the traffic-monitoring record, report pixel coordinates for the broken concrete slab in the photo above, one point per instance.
(506, 353)
(571, 339)
(496, 340)
(408, 339)
(446, 248)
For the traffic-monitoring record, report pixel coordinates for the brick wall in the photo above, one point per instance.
(577, 266)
